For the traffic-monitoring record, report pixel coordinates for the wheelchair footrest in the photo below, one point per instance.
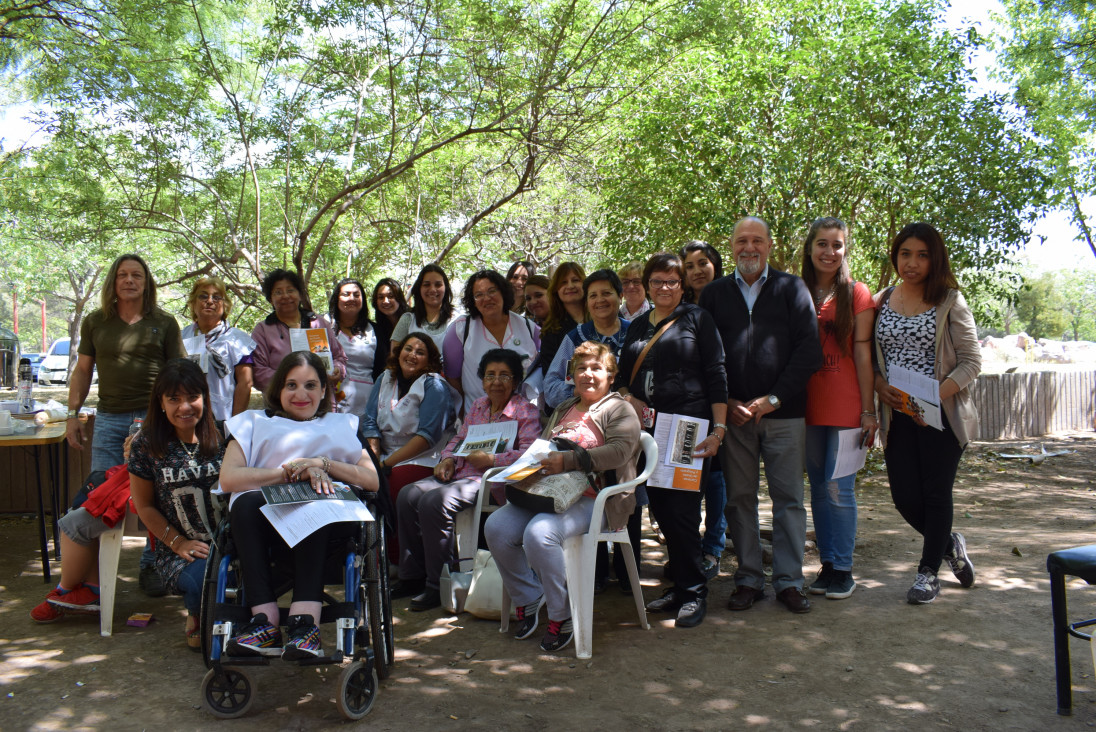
(334, 658)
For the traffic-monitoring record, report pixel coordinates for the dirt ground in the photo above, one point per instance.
(975, 659)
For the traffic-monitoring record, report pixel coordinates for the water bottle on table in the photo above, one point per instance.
(25, 391)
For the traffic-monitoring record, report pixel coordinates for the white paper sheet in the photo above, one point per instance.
(502, 433)
(923, 394)
(526, 464)
(914, 384)
(296, 521)
(850, 455)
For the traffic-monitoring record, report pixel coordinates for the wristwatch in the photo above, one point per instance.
(719, 425)
(774, 400)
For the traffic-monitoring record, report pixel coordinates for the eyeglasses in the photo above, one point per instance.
(206, 297)
(493, 292)
(284, 293)
(667, 284)
(501, 378)
(635, 282)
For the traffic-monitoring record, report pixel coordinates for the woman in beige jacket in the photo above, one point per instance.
(528, 546)
(924, 325)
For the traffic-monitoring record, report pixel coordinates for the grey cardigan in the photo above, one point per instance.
(958, 357)
(619, 424)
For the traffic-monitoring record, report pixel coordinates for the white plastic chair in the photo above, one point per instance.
(110, 550)
(580, 561)
(467, 524)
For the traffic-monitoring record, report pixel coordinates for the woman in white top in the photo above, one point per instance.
(348, 316)
(270, 447)
(432, 310)
(635, 295)
(489, 323)
(227, 362)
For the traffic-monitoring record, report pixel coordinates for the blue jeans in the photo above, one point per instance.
(111, 431)
(833, 502)
(190, 585)
(715, 521)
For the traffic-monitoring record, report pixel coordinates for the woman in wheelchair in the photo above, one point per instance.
(527, 546)
(173, 463)
(426, 509)
(296, 438)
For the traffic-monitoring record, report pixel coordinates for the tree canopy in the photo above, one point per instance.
(334, 137)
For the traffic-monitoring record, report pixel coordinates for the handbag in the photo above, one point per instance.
(485, 591)
(554, 493)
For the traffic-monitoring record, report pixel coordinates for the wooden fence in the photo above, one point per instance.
(1015, 406)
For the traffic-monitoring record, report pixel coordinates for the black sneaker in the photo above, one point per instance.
(959, 560)
(691, 613)
(256, 638)
(428, 600)
(151, 583)
(559, 635)
(304, 639)
(527, 619)
(841, 586)
(822, 580)
(710, 565)
(670, 602)
(925, 588)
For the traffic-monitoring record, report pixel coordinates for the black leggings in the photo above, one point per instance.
(257, 541)
(678, 516)
(921, 466)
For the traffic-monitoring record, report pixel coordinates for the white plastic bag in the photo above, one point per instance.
(485, 592)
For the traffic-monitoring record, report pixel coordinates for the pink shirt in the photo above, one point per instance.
(579, 428)
(518, 409)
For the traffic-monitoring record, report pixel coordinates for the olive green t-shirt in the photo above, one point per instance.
(129, 357)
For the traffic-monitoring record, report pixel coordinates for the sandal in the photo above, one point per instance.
(193, 633)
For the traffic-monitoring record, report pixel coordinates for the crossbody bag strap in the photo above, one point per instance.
(646, 348)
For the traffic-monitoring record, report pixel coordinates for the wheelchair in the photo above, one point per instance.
(363, 619)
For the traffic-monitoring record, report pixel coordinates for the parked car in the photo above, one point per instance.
(54, 367)
(53, 371)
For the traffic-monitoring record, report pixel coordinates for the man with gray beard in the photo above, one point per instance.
(770, 335)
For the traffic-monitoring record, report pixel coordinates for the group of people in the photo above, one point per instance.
(778, 364)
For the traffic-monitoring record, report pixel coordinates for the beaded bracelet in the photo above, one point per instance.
(326, 464)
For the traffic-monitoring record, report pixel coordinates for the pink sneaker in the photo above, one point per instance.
(79, 600)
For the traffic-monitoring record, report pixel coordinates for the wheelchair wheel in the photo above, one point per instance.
(379, 609)
(209, 602)
(357, 691)
(228, 693)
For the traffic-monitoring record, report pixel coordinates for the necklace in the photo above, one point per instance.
(821, 296)
(192, 462)
(902, 297)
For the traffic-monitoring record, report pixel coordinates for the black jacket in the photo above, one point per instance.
(774, 349)
(688, 363)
